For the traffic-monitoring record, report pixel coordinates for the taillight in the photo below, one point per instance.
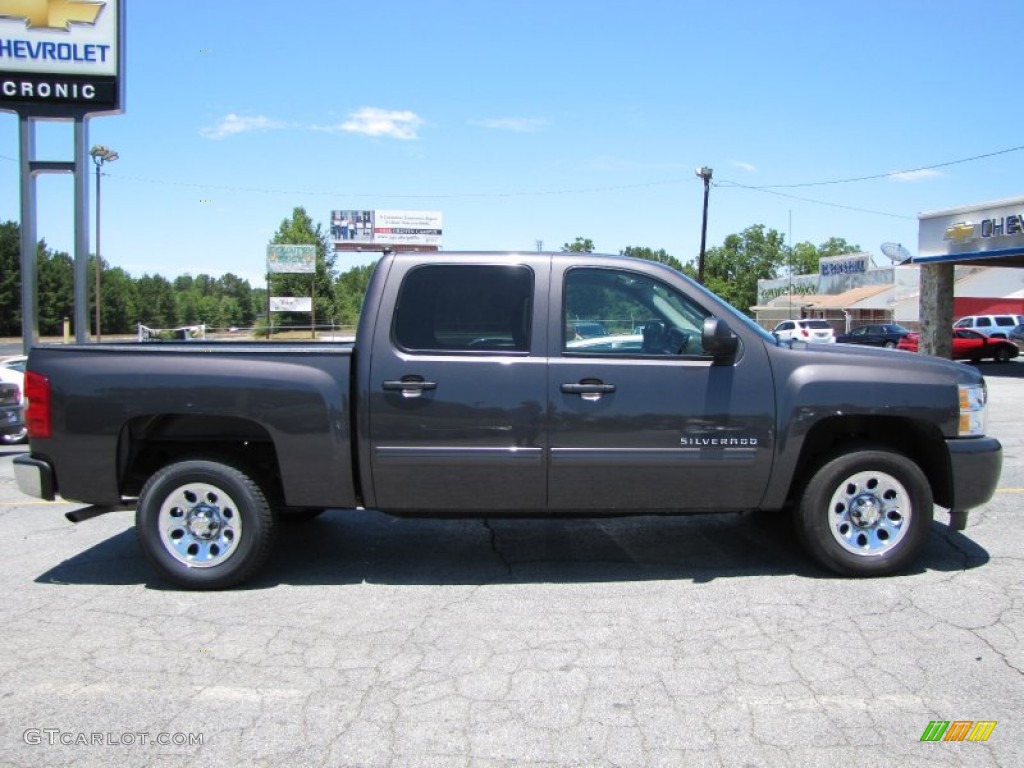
(804, 332)
(37, 415)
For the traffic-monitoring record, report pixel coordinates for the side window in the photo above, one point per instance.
(637, 315)
(449, 308)
(982, 322)
(1004, 320)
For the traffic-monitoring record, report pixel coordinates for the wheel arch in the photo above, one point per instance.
(920, 442)
(148, 443)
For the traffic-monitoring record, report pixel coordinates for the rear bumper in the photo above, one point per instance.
(34, 478)
(974, 471)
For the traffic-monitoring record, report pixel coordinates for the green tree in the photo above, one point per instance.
(237, 300)
(805, 257)
(300, 230)
(349, 291)
(55, 290)
(580, 245)
(118, 301)
(155, 301)
(661, 256)
(733, 269)
(10, 279)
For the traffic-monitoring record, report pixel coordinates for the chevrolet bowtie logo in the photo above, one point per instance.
(960, 232)
(52, 14)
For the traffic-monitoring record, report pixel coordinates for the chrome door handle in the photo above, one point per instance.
(409, 387)
(591, 391)
(588, 389)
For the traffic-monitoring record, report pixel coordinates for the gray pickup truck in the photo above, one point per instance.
(469, 391)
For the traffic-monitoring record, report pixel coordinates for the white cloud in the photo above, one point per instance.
(925, 173)
(517, 124)
(371, 121)
(748, 167)
(232, 125)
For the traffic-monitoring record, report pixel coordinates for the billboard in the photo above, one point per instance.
(60, 58)
(291, 259)
(354, 229)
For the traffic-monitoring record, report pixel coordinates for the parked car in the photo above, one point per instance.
(876, 335)
(585, 329)
(12, 417)
(997, 326)
(1017, 336)
(12, 371)
(632, 342)
(818, 331)
(969, 345)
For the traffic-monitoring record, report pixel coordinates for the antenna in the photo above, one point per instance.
(896, 252)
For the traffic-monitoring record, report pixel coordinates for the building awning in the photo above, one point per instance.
(881, 300)
(788, 302)
(848, 299)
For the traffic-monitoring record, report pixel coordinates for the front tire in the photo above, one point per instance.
(204, 525)
(865, 513)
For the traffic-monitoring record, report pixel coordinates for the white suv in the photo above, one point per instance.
(805, 330)
(996, 326)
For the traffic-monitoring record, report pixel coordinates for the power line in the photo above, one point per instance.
(769, 191)
(890, 174)
(768, 188)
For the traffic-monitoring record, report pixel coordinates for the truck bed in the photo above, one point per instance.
(283, 408)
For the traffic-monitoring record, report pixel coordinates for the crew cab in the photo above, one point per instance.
(466, 392)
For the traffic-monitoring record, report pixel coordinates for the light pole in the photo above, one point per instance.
(703, 173)
(100, 155)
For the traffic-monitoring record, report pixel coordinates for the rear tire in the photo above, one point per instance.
(865, 513)
(204, 525)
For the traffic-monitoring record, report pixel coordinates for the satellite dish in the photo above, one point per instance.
(896, 252)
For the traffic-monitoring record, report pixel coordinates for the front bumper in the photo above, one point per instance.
(975, 466)
(35, 478)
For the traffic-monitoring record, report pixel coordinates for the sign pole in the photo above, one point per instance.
(29, 314)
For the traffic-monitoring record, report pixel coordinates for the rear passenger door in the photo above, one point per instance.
(457, 389)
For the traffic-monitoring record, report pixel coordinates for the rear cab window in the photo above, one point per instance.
(465, 309)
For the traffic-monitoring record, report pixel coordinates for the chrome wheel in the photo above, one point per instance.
(865, 511)
(869, 513)
(200, 525)
(204, 524)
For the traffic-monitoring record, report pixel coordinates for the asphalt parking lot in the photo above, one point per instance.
(372, 641)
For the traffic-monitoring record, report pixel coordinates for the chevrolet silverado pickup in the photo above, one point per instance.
(469, 391)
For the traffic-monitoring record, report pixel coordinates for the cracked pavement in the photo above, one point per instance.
(374, 641)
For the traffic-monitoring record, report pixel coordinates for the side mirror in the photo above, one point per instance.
(718, 340)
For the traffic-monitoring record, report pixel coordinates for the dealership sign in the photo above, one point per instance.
(291, 304)
(61, 58)
(291, 259)
(978, 231)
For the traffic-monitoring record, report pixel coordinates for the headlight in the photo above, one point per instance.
(973, 409)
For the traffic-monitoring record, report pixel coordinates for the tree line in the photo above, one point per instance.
(730, 270)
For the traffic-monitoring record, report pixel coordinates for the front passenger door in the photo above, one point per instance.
(644, 419)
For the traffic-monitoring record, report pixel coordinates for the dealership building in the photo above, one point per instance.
(968, 262)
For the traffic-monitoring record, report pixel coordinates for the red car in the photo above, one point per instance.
(969, 345)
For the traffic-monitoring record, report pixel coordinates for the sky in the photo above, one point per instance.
(540, 121)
